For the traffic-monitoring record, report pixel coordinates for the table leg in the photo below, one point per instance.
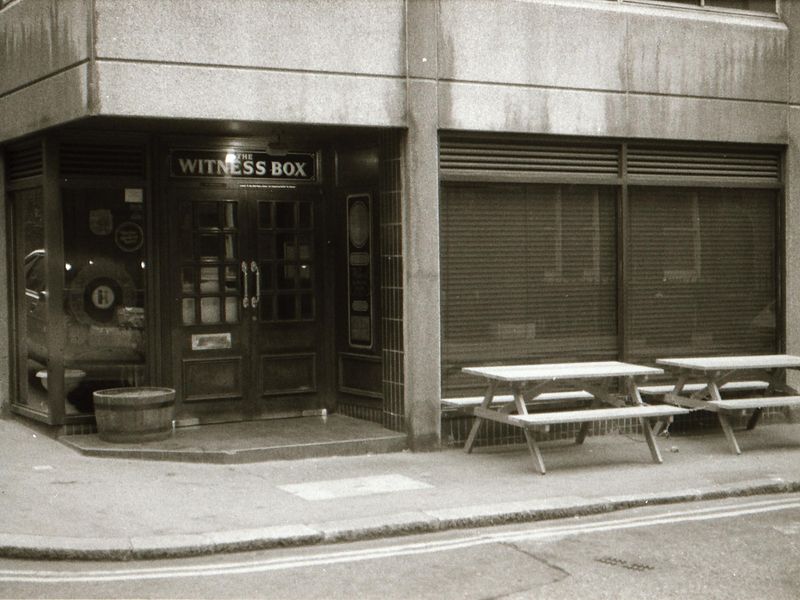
(538, 463)
(727, 428)
(753, 420)
(651, 440)
(724, 421)
(476, 426)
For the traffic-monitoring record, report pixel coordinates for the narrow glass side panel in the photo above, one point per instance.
(104, 294)
(31, 293)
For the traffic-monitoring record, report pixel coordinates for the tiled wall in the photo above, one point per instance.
(391, 187)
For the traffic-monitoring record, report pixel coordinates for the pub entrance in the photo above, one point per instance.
(247, 302)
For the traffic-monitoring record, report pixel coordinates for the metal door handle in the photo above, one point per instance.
(245, 296)
(254, 268)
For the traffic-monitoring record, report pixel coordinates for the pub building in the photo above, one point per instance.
(290, 210)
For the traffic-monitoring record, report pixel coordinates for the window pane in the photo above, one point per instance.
(702, 276)
(104, 292)
(187, 311)
(210, 310)
(528, 275)
(207, 214)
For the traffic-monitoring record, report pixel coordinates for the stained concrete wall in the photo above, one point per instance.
(45, 48)
(317, 61)
(613, 70)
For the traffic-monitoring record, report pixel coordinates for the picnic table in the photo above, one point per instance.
(529, 382)
(715, 372)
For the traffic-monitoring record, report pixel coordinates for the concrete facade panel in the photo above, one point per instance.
(352, 36)
(482, 107)
(546, 44)
(790, 14)
(421, 261)
(793, 236)
(129, 89)
(32, 108)
(41, 37)
(696, 53)
(681, 118)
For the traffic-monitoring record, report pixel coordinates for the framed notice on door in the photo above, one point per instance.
(359, 270)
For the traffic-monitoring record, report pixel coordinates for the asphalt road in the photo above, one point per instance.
(737, 548)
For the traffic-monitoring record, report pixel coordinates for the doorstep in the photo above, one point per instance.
(253, 441)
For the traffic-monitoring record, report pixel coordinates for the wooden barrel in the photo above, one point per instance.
(134, 414)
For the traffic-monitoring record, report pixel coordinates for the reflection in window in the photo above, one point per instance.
(104, 292)
(29, 243)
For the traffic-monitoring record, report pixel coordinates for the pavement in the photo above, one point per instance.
(60, 504)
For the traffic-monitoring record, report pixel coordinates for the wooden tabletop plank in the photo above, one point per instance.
(726, 363)
(559, 371)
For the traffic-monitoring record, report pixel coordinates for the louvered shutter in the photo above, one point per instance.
(528, 275)
(24, 161)
(703, 276)
(103, 160)
(504, 158)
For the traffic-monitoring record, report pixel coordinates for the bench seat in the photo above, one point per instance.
(731, 386)
(475, 401)
(597, 414)
(753, 403)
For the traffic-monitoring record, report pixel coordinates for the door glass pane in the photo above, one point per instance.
(188, 311)
(286, 278)
(210, 310)
(265, 215)
(230, 215)
(209, 247)
(209, 280)
(287, 246)
(104, 293)
(230, 247)
(306, 306)
(286, 308)
(284, 215)
(187, 280)
(304, 219)
(28, 232)
(266, 246)
(231, 278)
(231, 309)
(207, 215)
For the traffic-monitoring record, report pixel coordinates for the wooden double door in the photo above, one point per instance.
(248, 321)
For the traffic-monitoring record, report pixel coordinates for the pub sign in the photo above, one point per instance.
(293, 166)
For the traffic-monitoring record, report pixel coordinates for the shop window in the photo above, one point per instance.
(32, 294)
(702, 277)
(104, 292)
(528, 275)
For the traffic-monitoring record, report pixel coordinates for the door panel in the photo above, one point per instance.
(249, 327)
(211, 339)
(287, 334)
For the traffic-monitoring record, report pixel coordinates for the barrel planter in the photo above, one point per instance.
(134, 414)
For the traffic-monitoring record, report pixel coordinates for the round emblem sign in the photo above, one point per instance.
(129, 236)
(103, 297)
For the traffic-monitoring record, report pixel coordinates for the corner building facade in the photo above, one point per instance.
(280, 208)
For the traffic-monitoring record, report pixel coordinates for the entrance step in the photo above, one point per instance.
(253, 441)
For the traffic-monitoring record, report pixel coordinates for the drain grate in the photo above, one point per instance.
(618, 562)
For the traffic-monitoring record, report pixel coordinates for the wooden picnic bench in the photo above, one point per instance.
(716, 374)
(531, 382)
